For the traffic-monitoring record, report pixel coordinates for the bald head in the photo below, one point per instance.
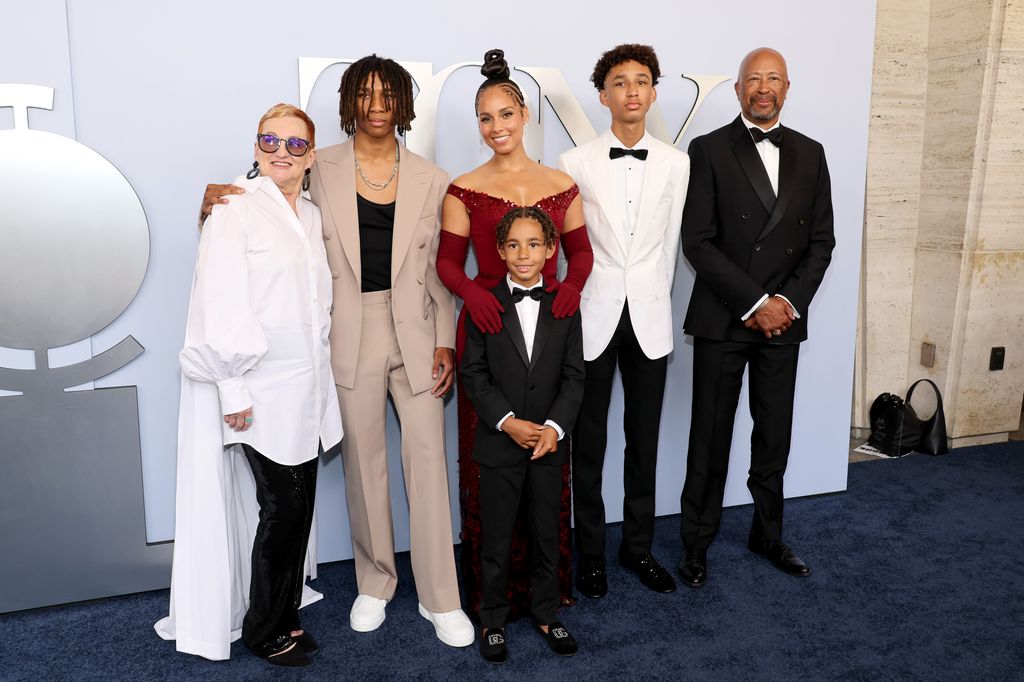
(761, 86)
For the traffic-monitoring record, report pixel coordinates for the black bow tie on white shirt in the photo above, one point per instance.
(536, 293)
(774, 136)
(619, 152)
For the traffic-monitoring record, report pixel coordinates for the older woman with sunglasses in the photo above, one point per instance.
(256, 385)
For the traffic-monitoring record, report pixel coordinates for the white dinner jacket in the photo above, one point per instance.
(641, 272)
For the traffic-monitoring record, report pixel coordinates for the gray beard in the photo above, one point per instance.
(765, 117)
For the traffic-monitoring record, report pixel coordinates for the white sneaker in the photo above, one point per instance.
(367, 613)
(453, 628)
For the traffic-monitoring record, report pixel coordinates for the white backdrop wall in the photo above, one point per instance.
(171, 93)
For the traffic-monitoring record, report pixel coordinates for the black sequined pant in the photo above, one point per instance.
(285, 495)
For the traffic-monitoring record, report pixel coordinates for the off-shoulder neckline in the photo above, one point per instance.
(512, 203)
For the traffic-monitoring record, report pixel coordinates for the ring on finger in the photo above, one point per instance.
(777, 332)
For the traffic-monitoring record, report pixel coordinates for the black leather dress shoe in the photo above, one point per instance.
(693, 568)
(559, 639)
(781, 556)
(652, 575)
(591, 579)
(493, 648)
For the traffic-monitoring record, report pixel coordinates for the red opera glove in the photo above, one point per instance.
(580, 256)
(483, 307)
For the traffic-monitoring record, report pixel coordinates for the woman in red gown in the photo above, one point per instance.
(475, 203)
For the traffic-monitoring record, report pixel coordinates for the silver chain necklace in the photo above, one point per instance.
(377, 185)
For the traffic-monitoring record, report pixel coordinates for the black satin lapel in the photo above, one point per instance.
(753, 167)
(540, 336)
(510, 324)
(787, 176)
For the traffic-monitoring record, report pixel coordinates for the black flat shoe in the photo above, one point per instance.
(285, 652)
(306, 643)
(591, 579)
(779, 553)
(651, 574)
(559, 639)
(493, 648)
(693, 568)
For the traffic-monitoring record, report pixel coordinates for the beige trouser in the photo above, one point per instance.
(380, 370)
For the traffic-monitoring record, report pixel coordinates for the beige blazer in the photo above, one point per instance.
(423, 309)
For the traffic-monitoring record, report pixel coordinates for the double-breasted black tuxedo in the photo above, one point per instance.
(499, 377)
(744, 242)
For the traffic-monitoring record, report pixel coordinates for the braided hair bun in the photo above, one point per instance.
(496, 71)
(495, 67)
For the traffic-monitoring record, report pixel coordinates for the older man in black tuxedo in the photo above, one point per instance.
(757, 229)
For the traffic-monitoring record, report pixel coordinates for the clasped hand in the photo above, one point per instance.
(774, 315)
(542, 439)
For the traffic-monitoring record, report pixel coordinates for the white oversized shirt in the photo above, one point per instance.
(258, 323)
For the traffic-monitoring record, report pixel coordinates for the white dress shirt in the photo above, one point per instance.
(258, 323)
(630, 174)
(528, 310)
(770, 158)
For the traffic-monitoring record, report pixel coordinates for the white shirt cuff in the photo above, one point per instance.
(556, 427)
(793, 307)
(234, 395)
(503, 419)
(760, 302)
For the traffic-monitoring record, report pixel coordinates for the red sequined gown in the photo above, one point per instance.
(484, 213)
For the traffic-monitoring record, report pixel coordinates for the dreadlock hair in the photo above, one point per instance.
(397, 84)
(643, 54)
(533, 213)
(495, 70)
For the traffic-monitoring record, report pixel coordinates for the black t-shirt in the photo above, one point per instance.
(376, 225)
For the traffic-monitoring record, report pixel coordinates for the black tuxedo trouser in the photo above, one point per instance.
(643, 385)
(502, 490)
(286, 496)
(717, 378)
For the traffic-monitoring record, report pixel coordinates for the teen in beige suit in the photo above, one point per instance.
(392, 332)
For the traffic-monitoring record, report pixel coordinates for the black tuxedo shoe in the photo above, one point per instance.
(493, 648)
(652, 575)
(693, 568)
(781, 556)
(559, 639)
(591, 579)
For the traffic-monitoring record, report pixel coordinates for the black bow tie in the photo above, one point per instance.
(536, 293)
(774, 136)
(619, 152)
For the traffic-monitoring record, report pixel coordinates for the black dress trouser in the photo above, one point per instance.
(537, 489)
(643, 386)
(286, 495)
(717, 379)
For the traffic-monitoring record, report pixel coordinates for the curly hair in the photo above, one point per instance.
(497, 74)
(534, 213)
(644, 54)
(395, 80)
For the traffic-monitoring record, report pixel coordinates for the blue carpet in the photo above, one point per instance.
(917, 575)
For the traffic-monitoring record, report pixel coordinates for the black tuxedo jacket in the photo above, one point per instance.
(498, 378)
(744, 242)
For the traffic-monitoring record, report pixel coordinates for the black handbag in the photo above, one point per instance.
(896, 429)
(933, 430)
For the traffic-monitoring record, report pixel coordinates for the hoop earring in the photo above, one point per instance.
(255, 170)
(305, 181)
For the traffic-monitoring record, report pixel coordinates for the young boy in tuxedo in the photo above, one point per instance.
(526, 383)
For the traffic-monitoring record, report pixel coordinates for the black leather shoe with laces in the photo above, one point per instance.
(693, 568)
(779, 553)
(651, 574)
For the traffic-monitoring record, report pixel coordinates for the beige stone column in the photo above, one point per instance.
(966, 257)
